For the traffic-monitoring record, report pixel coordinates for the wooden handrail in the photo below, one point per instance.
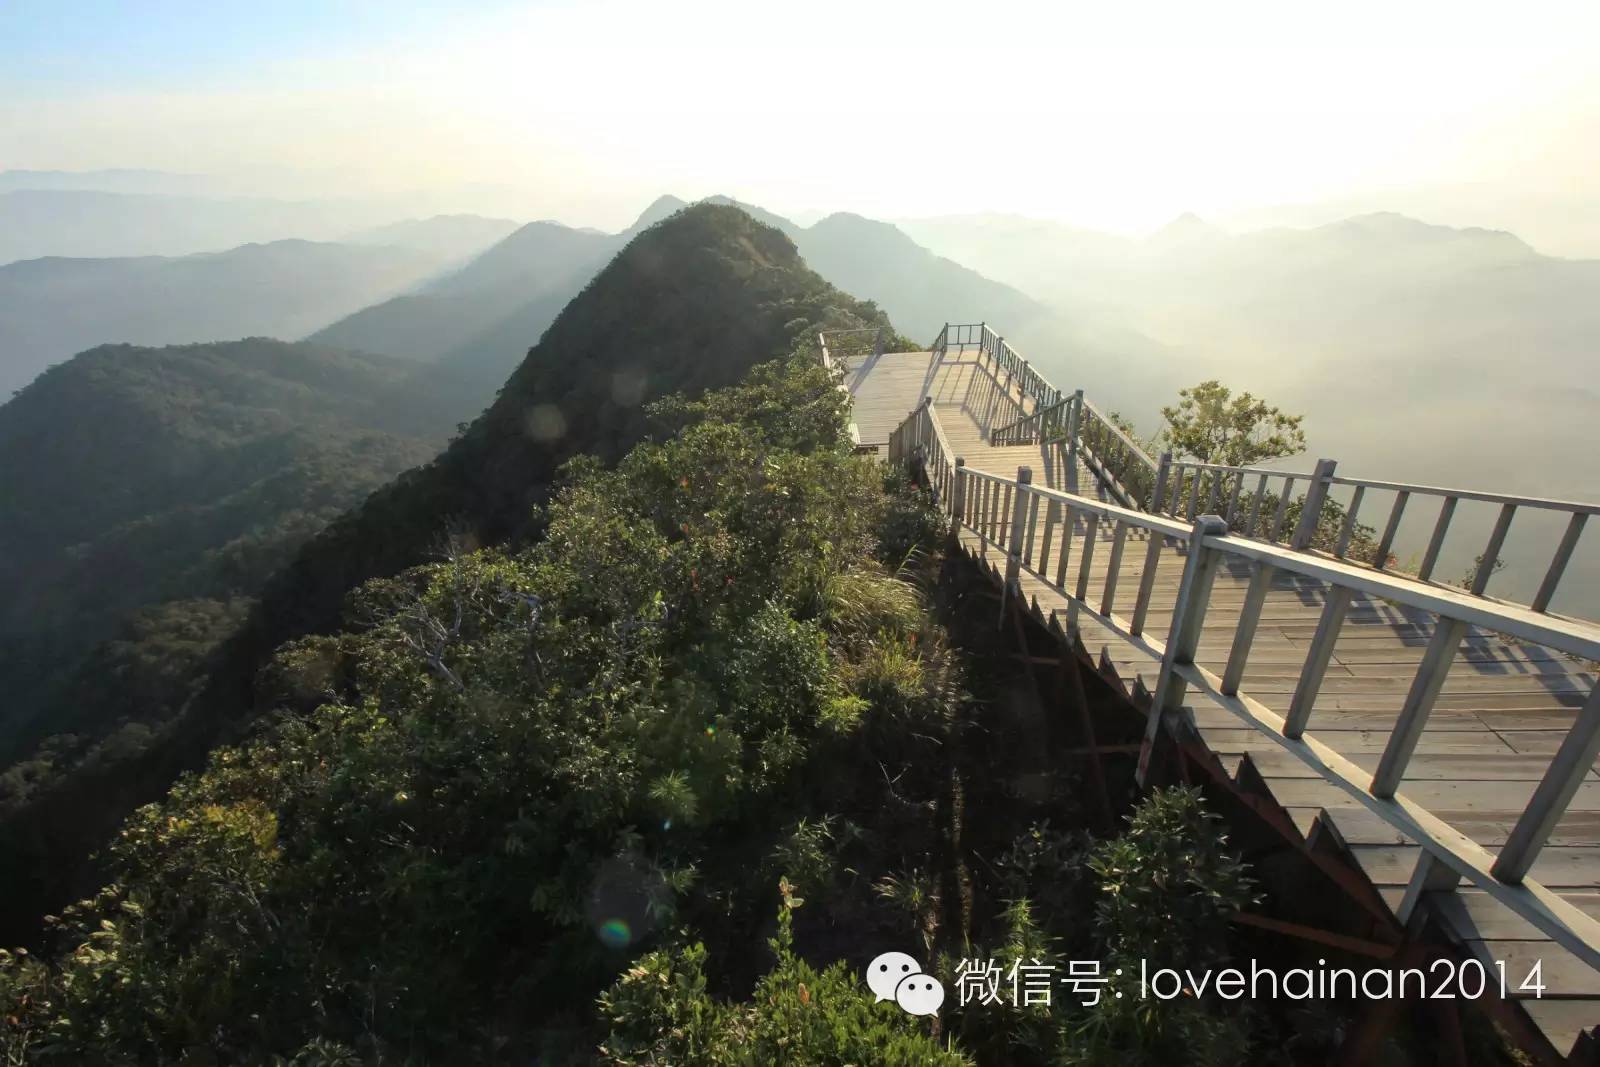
(1520, 500)
(1019, 519)
(1030, 429)
(1004, 513)
(1119, 460)
(1189, 489)
(1215, 475)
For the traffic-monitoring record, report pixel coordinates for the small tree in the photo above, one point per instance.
(1212, 425)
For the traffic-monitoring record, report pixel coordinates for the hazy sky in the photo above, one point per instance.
(1113, 115)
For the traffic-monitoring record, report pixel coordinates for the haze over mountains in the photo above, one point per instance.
(96, 223)
(231, 495)
(1361, 324)
(1421, 353)
(54, 307)
(1369, 321)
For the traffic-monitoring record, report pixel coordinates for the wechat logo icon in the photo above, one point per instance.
(898, 977)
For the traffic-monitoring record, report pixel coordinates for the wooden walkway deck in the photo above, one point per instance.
(1503, 710)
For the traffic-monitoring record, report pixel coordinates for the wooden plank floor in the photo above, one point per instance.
(884, 390)
(1503, 709)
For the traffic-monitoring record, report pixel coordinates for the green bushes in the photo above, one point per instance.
(660, 1012)
(529, 781)
(1167, 889)
(525, 765)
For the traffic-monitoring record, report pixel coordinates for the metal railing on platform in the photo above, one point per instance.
(1036, 528)
(1281, 507)
(1260, 510)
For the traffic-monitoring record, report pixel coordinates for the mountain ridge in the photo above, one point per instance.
(690, 304)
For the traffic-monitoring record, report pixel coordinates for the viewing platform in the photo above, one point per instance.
(1443, 740)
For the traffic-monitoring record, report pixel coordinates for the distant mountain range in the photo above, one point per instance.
(125, 180)
(54, 307)
(475, 325)
(1373, 320)
(1368, 322)
(453, 238)
(1443, 356)
(98, 224)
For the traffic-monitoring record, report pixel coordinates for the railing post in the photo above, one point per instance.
(1073, 418)
(958, 495)
(1019, 510)
(1311, 511)
(1567, 771)
(1188, 615)
(1430, 875)
(1413, 718)
(1162, 473)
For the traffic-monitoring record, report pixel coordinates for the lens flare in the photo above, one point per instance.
(615, 933)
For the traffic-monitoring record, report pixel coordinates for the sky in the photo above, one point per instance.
(1115, 116)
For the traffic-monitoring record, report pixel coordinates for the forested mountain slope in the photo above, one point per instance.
(443, 316)
(139, 476)
(460, 844)
(691, 304)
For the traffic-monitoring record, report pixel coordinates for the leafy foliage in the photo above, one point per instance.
(660, 1012)
(1168, 888)
(691, 304)
(530, 762)
(179, 476)
(1212, 425)
(1164, 891)
(1330, 524)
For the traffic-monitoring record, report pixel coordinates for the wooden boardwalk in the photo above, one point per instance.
(1503, 709)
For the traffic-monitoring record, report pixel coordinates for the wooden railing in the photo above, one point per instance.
(1256, 502)
(1053, 423)
(961, 336)
(1038, 528)
(1001, 360)
(1121, 463)
(920, 435)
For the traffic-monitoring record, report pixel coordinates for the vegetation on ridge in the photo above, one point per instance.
(524, 762)
(533, 777)
(171, 483)
(689, 305)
